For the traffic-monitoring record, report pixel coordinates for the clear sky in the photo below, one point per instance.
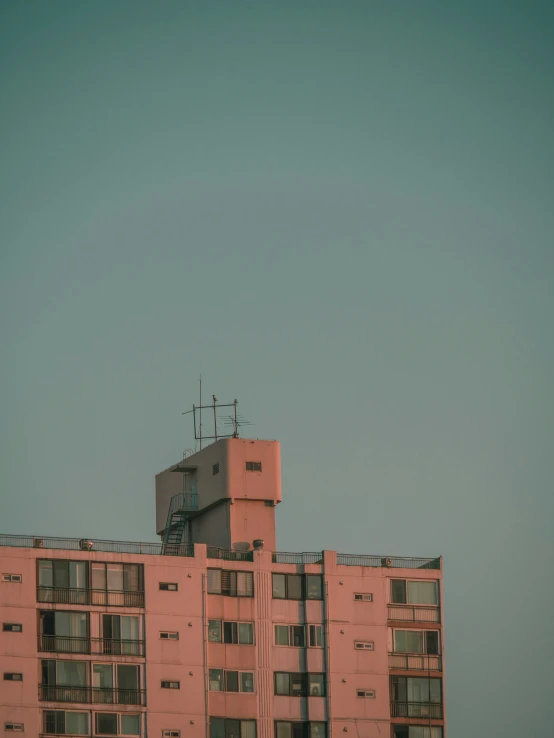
(342, 214)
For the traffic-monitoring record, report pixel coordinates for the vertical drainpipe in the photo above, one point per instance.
(326, 635)
(205, 652)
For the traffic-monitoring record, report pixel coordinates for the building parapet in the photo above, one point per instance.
(183, 549)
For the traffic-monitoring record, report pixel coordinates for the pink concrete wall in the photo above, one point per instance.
(188, 659)
(232, 482)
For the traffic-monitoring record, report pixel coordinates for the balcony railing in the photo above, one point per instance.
(76, 644)
(91, 695)
(63, 644)
(394, 562)
(186, 549)
(421, 662)
(416, 710)
(298, 558)
(419, 614)
(221, 553)
(92, 544)
(117, 647)
(102, 597)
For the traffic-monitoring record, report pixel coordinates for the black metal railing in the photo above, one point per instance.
(72, 596)
(178, 549)
(118, 646)
(185, 549)
(388, 562)
(77, 644)
(221, 553)
(411, 614)
(63, 644)
(91, 695)
(431, 710)
(421, 662)
(310, 557)
(92, 544)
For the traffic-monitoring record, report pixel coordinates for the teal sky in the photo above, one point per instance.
(341, 213)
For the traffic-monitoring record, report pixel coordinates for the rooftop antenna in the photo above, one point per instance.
(234, 420)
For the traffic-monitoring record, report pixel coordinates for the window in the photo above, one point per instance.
(57, 722)
(295, 635)
(10, 676)
(416, 641)
(171, 685)
(215, 468)
(12, 627)
(171, 734)
(230, 632)
(254, 466)
(231, 583)
(63, 681)
(64, 631)
(12, 578)
(293, 587)
(417, 731)
(116, 682)
(314, 587)
(367, 693)
(117, 584)
(63, 581)
(112, 723)
(316, 636)
(299, 684)
(14, 727)
(171, 635)
(169, 586)
(363, 597)
(420, 592)
(221, 680)
(364, 645)
(416, 689)
(227, 728)
(120, 635)
(300, 730)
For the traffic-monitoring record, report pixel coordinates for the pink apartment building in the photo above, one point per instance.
(213, 633)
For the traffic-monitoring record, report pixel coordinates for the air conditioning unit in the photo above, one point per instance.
(386, 562)
(38, 543)
(85, 545)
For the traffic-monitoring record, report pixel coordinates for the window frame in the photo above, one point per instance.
(119, 716)
(12, 627)
(168, 586)
(231, 590)
(407, 601)
(424, 635)
(302, 678)
(305, 728)
(254, 466)
(166, 683)
(9, 676)
(57, 732)
(304, 594)
(222, 680)
(241, 721)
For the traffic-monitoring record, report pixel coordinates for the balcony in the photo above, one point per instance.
(409, 614)
(416, 710)
(419, 662)
(76, 644)
(91, 695)
(109, 598)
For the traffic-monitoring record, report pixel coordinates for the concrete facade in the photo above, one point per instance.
(206, 640)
